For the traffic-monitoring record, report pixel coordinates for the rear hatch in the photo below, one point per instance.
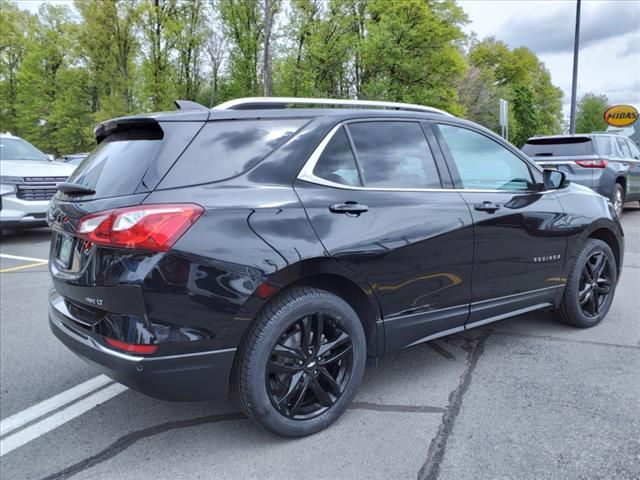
(132, 156)
(575, 156)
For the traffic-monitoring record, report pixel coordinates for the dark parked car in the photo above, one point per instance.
(275, 251)
(607, 163)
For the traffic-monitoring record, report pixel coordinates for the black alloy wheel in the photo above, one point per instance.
(301, 363)
(595, 284)
(309, 367)
(590, 288)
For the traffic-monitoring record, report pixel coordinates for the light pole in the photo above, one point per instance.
(574, 84)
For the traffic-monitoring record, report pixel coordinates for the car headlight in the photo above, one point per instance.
(8, 184)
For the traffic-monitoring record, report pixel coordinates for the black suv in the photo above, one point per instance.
(275, 251)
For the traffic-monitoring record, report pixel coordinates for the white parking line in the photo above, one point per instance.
(19, 419)
(26, 259)
(52, 422)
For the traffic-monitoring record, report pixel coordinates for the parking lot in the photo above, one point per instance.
(524, 398)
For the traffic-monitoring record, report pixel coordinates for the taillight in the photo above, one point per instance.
(144, 227)
(598, 163)
(139, 348)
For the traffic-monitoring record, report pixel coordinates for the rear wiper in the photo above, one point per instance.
(74, 189)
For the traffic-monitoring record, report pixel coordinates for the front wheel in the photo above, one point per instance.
(301, 363)
(590, 287)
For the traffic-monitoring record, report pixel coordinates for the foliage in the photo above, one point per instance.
(72, 66)
(590, 113)
(522, 79)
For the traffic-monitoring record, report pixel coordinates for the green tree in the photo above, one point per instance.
(242, 23)
(40, 75)
(590, 113)
(160, 28)
(410, 52)
(526, 114)
(16, 28)
(480, 96)
(109, 46)
(523, 79)
(190, 47)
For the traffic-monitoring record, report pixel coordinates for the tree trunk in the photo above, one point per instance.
(269, 13)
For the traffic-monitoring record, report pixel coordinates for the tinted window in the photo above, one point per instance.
(337, 163)
(624, 148)
(606, 146)
(117, 164)
(558, 147)
(18, 149)
(483, 163)
(224, 149)
(394, 155)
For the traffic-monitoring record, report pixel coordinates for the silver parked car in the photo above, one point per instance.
(28, 180)
(607, 163)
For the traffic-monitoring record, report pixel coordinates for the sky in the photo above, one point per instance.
(609, 59)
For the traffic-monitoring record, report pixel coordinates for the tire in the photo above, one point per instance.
(583, 304)
(617, 198)
(279, 386)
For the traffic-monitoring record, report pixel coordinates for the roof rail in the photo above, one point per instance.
(258, 103)
(189, 105)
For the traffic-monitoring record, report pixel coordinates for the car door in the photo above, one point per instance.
(519, 241)
(631, 156)
(373, 193)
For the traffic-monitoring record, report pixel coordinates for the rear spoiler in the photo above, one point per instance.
(141, 128)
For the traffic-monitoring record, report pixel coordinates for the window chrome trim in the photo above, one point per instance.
(306, 174)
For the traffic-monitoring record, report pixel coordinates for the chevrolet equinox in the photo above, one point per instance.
(273, 247)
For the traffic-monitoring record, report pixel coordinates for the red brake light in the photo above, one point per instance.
(131, 347)
(599, 163)
(145, 227)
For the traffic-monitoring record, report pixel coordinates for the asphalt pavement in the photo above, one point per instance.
(526, 398)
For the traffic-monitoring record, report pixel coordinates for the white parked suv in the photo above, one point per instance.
(28, 180)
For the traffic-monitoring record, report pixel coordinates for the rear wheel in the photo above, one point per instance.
(617, 198)
(302, 362)
(590, 287)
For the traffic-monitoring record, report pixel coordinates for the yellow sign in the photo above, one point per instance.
(621, 115)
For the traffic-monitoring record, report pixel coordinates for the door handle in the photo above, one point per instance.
(487, 206)
(350, 208)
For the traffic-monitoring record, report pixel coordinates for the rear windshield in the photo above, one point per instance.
(224, 149)
(558, 147)
(118, 163)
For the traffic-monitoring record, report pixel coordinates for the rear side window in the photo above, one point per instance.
(624, 148)
(633, 148)
(558, 147)
(606, 146)
(337, 163)
(224, 149)
(394, 155)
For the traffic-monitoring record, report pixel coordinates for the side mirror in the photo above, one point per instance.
(553, 179)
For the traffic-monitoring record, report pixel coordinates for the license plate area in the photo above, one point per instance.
(65, 250)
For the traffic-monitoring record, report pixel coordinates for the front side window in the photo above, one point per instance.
(394, 155)
(337, 163)
(483, 163)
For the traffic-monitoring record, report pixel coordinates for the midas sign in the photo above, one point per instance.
(621, 115)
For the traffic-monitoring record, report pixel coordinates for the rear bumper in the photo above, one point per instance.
(186, 377)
